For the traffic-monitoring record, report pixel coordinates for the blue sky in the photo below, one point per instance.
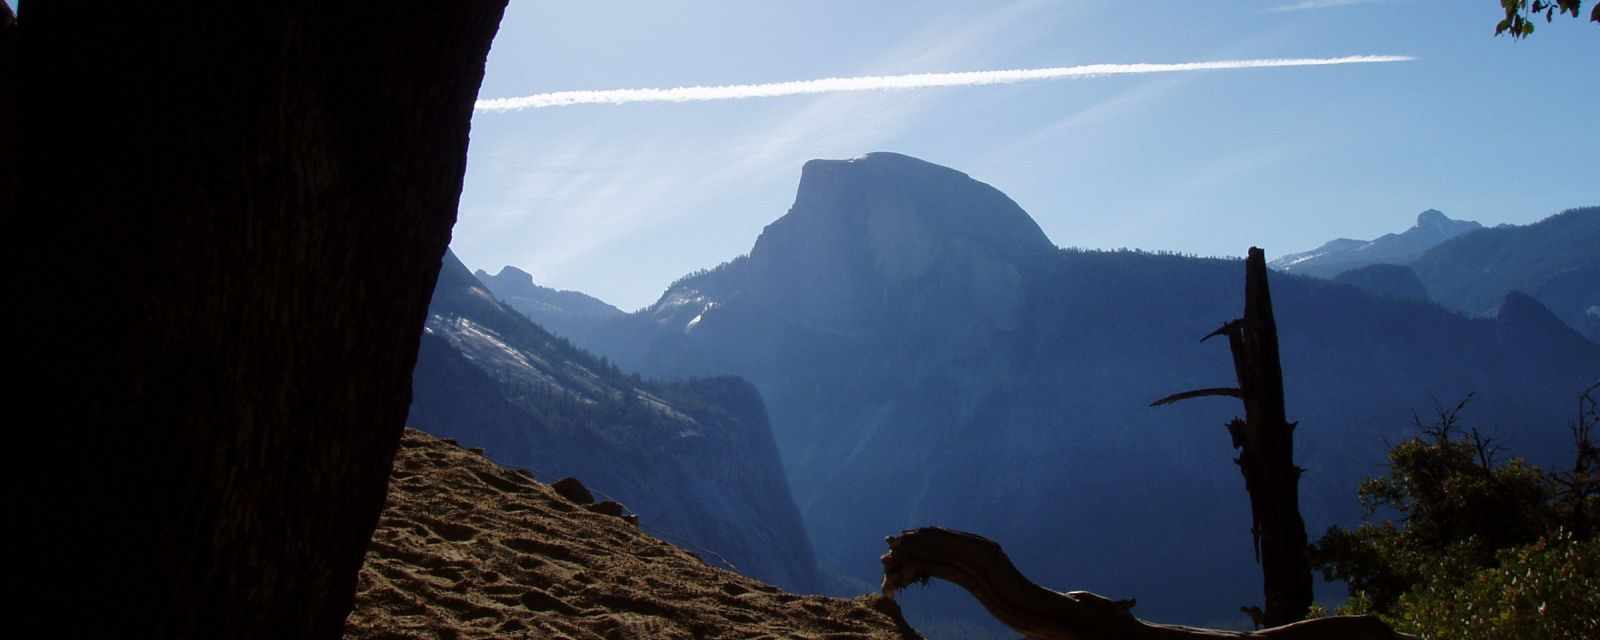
(619, 200)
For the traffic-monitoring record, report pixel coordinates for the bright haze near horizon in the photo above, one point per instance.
(619, 200)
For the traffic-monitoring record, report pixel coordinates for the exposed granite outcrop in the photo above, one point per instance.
(467, 549)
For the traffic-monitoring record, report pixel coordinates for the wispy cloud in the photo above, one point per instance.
(901, 82)
(662, 175)
(1308, 5)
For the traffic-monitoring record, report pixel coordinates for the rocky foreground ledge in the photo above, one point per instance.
(468, 549)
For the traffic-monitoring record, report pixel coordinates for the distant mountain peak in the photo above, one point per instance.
(1552, 260)
(510, 273)
(1534, 322)
(564, 313)
(874, 233)
(1332, 258)
(1435, 224)
(1520, 306)
(887, 161)
(1386, 280)
(899, 212)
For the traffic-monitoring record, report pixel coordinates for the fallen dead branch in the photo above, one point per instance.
(980, 566)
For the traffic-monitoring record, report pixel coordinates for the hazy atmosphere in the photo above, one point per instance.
(843, 320)
(1187, 161)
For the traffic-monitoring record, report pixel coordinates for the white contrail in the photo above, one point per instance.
(881, 83)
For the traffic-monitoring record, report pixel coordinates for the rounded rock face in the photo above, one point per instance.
(512, 273)
(1432, 218)
(868, 229)
(898, 196)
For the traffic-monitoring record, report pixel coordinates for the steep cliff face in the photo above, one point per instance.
(865, 233)
(1005, 391)
(863, 230)
(232, 220)
(880, 242)
(696, 459)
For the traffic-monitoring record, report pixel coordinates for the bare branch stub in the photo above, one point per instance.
(1229, 392)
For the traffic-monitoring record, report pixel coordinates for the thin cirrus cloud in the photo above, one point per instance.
(899, 82)
(1308, 5)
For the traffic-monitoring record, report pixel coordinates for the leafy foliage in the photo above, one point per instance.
(1477, 548)
(1548, 589)
(1520, 14)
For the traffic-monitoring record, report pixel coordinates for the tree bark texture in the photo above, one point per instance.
(980, 566)
(229, 220)
(8, 113)
(1265, 440)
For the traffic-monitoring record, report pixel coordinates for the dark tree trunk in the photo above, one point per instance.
(1265, 440)
(230, 221)
(8, 113)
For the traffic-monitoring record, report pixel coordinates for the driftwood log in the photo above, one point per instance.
(980, 566)
(1265, 440)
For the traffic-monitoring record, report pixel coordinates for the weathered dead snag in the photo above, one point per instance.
(980, 566)
(1265, 440)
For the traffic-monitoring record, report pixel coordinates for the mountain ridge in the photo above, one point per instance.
(1471, 270)
(1386, 280)
(1553, 260)
(562, 312)
(1005, 392)
(695, 458)
(1342, 254)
